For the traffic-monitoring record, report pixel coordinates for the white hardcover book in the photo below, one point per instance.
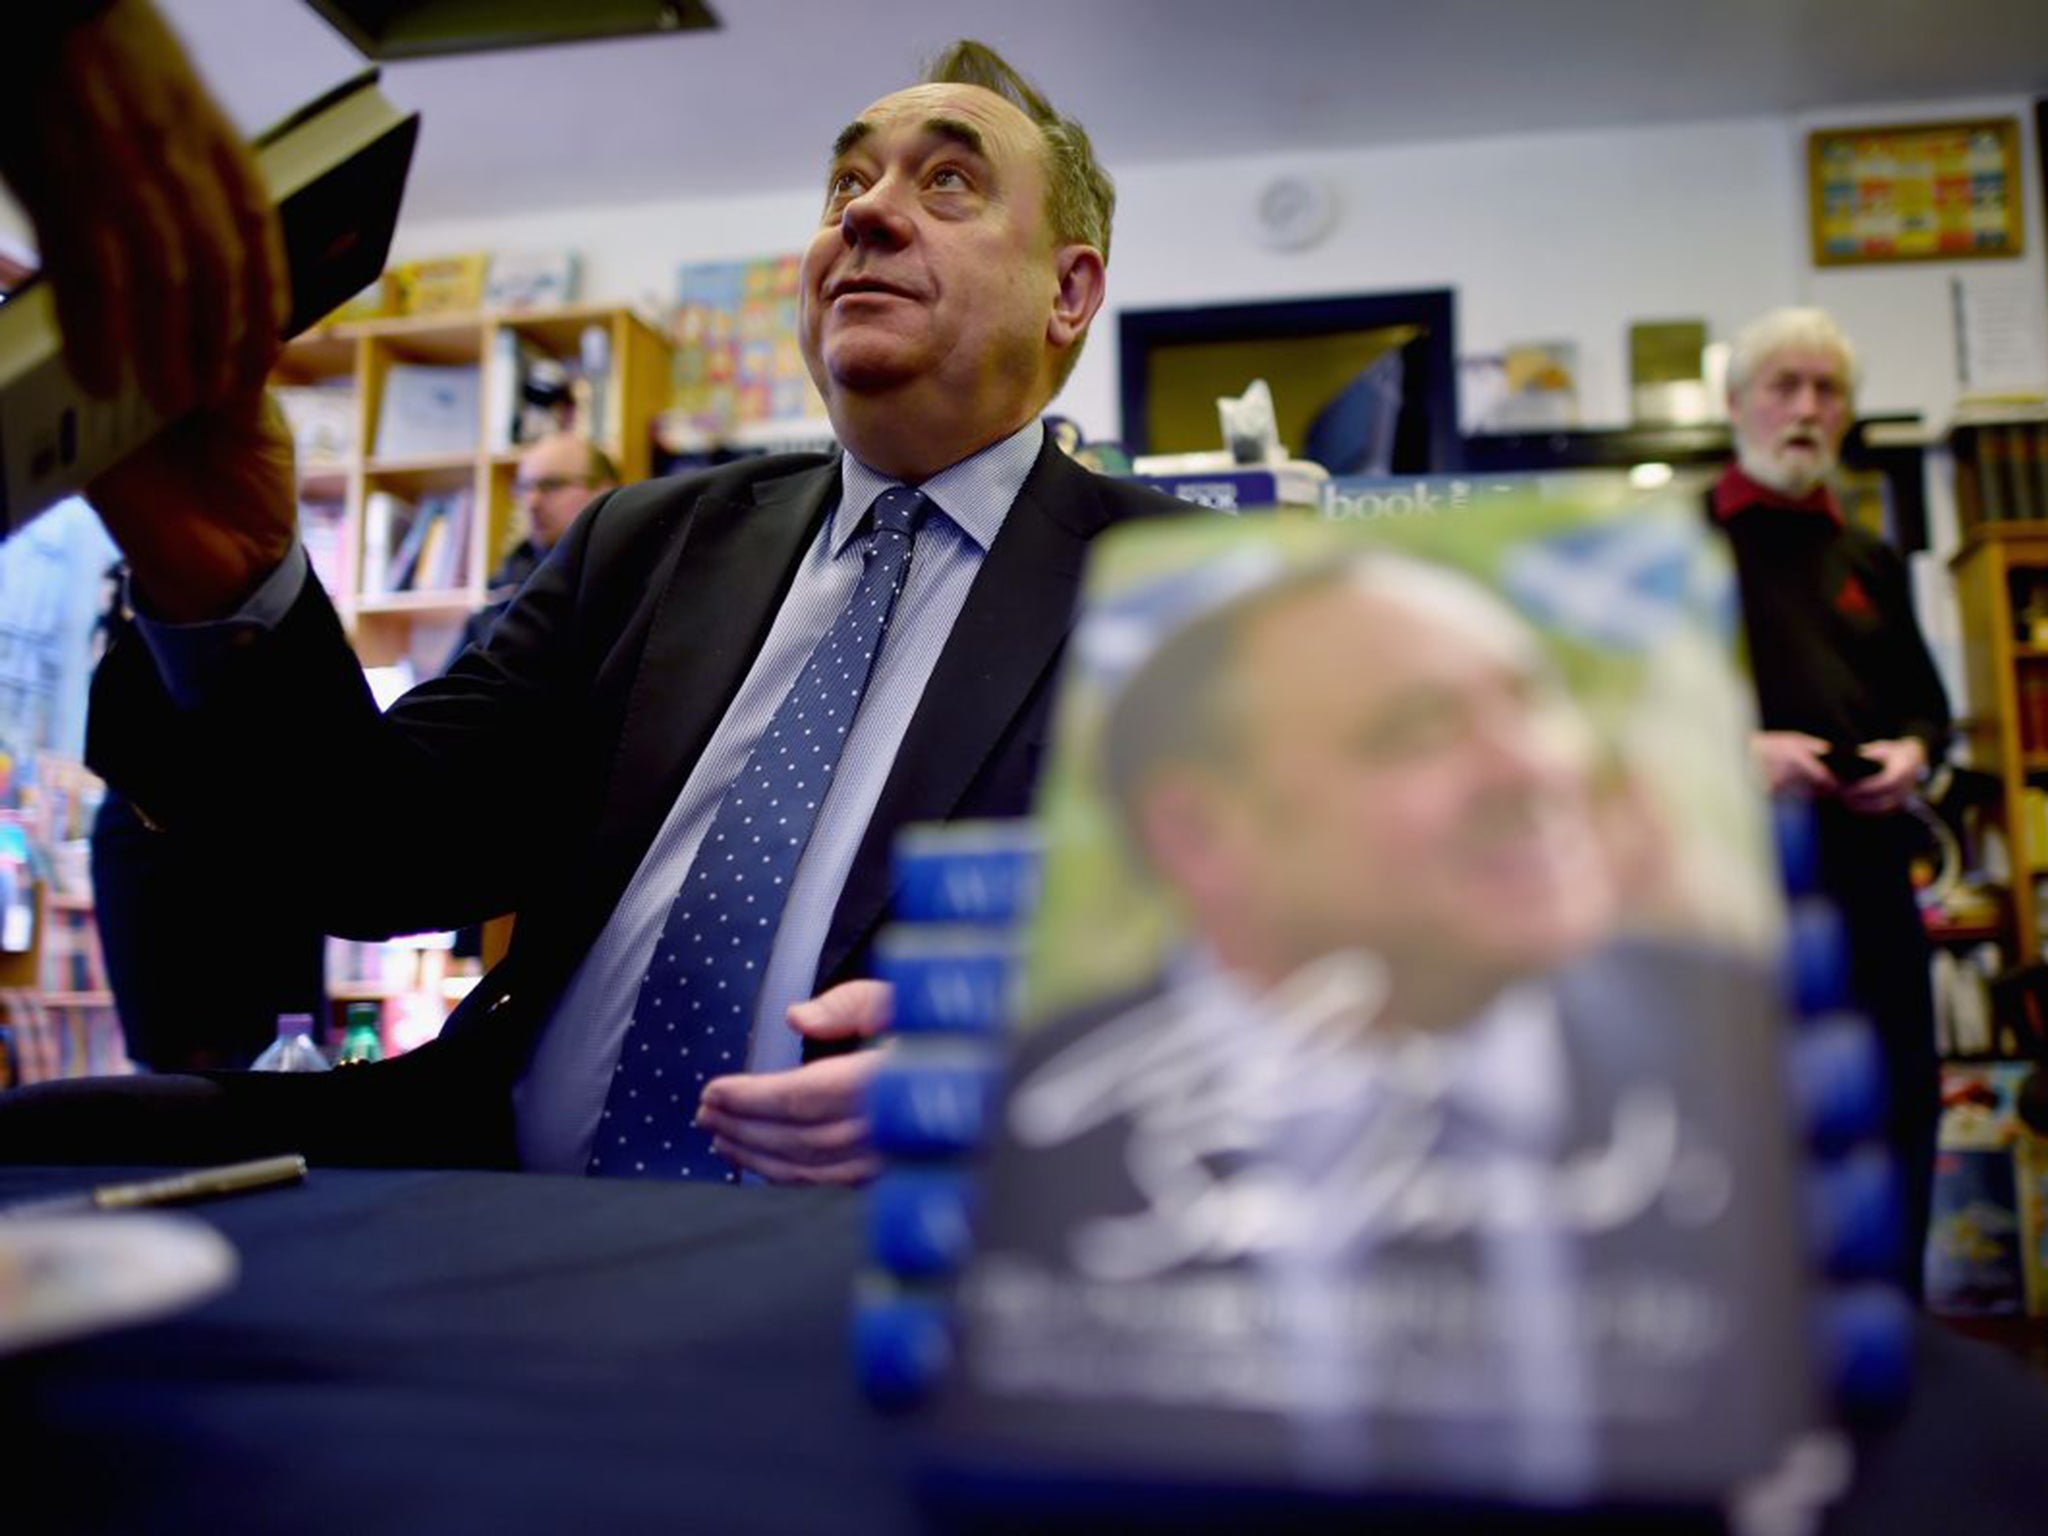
(428, 410)
(380, 518)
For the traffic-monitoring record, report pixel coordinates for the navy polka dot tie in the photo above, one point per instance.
(695, 1012)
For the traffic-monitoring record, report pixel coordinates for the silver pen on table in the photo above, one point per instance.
(200, 1183)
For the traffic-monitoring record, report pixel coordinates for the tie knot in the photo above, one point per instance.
(899, 509)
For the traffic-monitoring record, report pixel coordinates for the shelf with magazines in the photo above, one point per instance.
(409, 432)
(57, 1015)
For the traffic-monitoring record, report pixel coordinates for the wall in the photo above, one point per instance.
(1564, 235)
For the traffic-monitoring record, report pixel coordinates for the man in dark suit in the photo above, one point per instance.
(946, 291)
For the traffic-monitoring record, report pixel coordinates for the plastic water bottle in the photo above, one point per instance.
(362, 1035)
(293, 1050)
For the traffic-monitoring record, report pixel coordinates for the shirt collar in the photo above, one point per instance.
(975, 494)
(1735, 492)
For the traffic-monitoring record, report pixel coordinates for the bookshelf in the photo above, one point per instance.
(2001, 465)
(418, 411)
(415, 412)
(2001, 581)
(56, 1010)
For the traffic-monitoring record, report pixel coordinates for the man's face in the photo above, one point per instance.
(1790, 418)
(932, 267)
(554, 485)
(1412, 782)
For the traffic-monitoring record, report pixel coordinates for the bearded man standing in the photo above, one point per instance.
(1851, 710)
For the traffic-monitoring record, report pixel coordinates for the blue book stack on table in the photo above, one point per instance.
(950, 956)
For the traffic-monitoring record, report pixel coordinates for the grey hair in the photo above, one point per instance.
(1771, 333)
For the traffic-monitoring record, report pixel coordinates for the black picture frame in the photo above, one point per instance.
(1426, 437)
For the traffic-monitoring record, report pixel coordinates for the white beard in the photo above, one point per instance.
(1789, 477)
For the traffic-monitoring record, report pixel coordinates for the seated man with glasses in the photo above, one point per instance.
(559, 475)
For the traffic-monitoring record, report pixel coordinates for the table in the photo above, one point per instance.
(511, 1353)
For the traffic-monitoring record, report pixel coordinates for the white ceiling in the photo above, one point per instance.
(752, 106)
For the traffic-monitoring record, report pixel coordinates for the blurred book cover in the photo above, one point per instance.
(437, 285)
(1529, 386)
(1392, 1110)
(1984, 1248)
(1667, 373)
(531, 279)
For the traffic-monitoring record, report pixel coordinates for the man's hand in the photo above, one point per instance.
(808, 1125)
(1901, 764)
(1793, 763)
(153, 223)
(205, 511)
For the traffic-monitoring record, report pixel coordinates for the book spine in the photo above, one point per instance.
(948, 979)
(932, 1097)
(2024, 449)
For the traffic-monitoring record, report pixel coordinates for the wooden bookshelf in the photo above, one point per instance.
(1999, 564)
(360, 356)
(55, 1027)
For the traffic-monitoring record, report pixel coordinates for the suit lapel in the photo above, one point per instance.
(724, 584)
(1009, 633)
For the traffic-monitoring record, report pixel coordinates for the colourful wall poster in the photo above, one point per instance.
(737, 362)
(1921, 192)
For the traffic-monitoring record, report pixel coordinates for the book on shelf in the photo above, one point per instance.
(529, 392)
(323, 529)
(387, 521)
(322, 418)
(596, 403)
(436, 285)
(530, 279)
(1379, 1119)
(72, 960)
(399, 574)
(2001, 471)
(48, 1041)
(428, 410)
(420, 546)
(336, 171)
(444, 563)
(512, 362)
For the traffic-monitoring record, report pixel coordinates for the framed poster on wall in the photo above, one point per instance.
(1915, 192)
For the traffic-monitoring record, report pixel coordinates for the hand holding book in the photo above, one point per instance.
(206, 510)
(177, 280)
(154, 223)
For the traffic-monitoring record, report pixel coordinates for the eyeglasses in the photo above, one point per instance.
(547, 485)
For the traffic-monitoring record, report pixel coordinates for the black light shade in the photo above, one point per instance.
(419, 29)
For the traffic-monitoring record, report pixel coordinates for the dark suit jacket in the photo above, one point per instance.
(579, 722)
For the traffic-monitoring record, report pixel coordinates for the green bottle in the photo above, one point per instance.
(362, 1035)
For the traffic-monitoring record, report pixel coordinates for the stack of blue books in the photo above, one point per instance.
(950, 956)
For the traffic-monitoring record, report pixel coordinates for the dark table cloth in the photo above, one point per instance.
(509, 1353)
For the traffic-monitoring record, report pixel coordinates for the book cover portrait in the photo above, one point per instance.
(1392, 1108)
